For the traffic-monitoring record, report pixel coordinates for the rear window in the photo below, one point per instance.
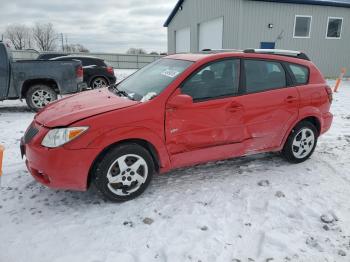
(91, 61)
(300, 73)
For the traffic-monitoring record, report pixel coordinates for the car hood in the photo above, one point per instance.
(77, 107)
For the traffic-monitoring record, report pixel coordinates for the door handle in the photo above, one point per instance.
(290, 99)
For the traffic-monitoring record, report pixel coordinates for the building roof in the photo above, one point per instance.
(338, 3)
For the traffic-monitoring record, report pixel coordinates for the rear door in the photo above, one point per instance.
(269, 102)
(4, 72)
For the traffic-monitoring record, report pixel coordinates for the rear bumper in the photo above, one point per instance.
(58, 168)
(112, 79)
(327, 120)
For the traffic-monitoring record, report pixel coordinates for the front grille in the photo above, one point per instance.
(30, 134)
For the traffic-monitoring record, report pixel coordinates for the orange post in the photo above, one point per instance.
(340, 78)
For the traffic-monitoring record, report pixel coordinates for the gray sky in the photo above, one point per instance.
(100, 25)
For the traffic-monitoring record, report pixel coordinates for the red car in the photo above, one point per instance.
(179, 111)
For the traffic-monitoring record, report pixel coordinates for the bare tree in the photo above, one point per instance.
(19, 36)
(45, 36)
(73, 48)
(136, 51)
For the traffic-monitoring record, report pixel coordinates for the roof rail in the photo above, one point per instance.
(220, 50)
(282, 52)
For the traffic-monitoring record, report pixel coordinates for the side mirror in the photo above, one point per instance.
(179, 101)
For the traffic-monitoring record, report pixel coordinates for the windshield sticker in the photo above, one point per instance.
(148, 96)
(170, 73)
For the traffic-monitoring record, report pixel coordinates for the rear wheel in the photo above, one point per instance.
(301, 142)
(99, 82)
(38, 96)
(124, 172)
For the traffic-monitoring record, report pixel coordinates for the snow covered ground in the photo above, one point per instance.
(256, 208)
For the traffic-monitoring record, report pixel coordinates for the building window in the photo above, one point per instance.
(302, 26)
(334, 27)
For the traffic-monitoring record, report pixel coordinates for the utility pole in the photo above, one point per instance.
(62, 42)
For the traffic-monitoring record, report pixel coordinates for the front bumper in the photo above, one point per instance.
(58, 168)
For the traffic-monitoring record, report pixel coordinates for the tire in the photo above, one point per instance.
(38, 96)
(99, 82)
(301, 142)
(124, 172)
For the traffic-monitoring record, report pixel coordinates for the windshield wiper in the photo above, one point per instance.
(121, 92)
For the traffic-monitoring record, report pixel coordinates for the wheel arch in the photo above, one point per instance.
(144, 143)
(50, 82)
(311, 118)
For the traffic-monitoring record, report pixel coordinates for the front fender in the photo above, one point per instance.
(127, 133)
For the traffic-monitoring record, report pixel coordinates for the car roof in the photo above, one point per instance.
(211, 56)
(77, 57)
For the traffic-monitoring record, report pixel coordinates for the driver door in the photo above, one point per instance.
(212, 121)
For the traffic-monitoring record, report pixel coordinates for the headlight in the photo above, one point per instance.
(60, 136)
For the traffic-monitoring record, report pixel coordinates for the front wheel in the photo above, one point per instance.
(38, 96)
(301, 142)
(124, 172)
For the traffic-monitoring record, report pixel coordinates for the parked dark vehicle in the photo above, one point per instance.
(97, 73)
(39, 82)
(47, 56)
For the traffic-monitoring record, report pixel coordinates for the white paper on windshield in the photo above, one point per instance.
(148, 96)
(170, 73)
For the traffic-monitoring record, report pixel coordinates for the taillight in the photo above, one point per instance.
(330, 94)
(80, 73)
(110, 70)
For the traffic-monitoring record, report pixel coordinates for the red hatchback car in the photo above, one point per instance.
(179, 111)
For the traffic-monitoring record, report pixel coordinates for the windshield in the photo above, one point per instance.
(152, 79)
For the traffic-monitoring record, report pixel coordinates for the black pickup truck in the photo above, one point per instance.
(39, 82)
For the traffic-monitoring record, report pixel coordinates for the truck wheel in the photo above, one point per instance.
(124, 172)
(38, 96)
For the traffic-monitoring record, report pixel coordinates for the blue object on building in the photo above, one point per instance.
(267, 45)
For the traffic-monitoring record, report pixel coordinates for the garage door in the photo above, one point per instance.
(183, 40)
(210, 34)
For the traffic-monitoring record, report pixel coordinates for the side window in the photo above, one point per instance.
(91, 62)
(263, 75)
(300, 73)
(219, 79)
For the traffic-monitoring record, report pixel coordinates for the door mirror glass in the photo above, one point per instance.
(180, 101)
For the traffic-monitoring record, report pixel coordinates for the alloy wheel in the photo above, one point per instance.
(99, 83)
(41, 98)
(303, 143)
(127, 174)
